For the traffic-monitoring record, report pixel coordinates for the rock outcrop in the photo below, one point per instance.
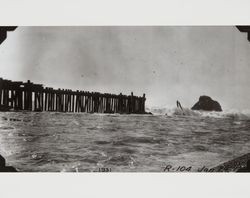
(207, 104)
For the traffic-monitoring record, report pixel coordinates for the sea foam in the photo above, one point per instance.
(231, 113)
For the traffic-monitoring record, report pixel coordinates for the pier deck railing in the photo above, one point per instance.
(34, 97)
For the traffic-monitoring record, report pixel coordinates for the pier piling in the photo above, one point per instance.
(34, 97)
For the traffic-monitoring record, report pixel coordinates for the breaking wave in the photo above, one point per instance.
(235, 114)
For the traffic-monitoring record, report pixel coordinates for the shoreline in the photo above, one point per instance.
(233, 165)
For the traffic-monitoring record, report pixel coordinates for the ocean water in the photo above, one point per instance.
(58, 142)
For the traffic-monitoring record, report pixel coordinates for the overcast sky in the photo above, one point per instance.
(166, 63)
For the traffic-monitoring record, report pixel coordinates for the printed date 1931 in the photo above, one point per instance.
(104, 170)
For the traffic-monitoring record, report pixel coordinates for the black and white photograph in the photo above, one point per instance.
(125, 99)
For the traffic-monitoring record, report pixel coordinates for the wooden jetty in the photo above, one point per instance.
(34, 97)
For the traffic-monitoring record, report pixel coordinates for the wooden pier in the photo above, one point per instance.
(34, 97)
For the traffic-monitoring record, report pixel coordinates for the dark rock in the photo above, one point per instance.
(239, 164)
(245, 169)
(207, 104)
